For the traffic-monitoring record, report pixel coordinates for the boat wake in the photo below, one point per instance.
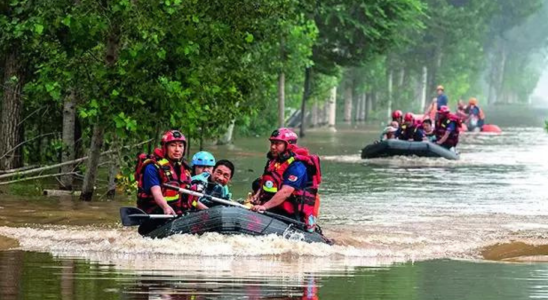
(442, 237)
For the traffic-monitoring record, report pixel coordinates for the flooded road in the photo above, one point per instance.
(396, 223)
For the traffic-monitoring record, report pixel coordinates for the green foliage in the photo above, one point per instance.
(350, 33)
(140, 67)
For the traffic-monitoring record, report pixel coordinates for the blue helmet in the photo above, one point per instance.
(203, 158)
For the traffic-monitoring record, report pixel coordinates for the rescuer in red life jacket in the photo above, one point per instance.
(447, 128)
(166, 165)
(289, 184)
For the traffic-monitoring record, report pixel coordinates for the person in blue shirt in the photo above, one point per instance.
(284, 177)
(441, 99)
(166, 167)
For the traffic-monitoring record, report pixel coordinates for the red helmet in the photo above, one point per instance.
(408, 117)
(173, 136)
(397, 114)
(444, 109)
(284, 135)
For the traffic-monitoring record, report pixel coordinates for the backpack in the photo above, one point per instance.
(144, 159)
(313, 166)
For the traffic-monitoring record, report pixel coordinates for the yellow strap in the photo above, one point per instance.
(270, 190)
(172, 198)
(163, 162)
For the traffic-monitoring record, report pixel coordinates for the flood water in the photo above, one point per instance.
(405, 228)
(30, 275)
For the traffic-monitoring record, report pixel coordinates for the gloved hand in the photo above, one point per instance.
(199, 182)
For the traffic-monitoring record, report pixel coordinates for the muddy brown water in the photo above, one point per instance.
(406, 228)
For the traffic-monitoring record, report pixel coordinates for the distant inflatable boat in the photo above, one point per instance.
(405, 148)
(491, 128)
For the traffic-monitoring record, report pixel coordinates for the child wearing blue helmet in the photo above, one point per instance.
(202, 168)
(202, 161)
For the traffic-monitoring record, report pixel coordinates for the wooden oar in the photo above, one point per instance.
(232, 203)
(132, 216)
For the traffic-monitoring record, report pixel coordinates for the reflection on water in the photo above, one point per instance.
(27, 275)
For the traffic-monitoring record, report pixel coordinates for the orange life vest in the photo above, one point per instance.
(304, 204)
(168, 172)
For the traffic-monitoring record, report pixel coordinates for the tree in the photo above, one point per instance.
(508, 15)
(157, 65)
(351, 33)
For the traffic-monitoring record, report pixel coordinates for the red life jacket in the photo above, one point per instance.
(441, 128)
(168, 174)
(304, 203)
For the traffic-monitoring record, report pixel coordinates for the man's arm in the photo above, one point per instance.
(159, 199)
(151, 181)
(277, 199)
(444, 137)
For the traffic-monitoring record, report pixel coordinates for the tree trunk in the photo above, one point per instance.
(69, 120)
(332, 108)
(368, 105)
(358, 108)
(389, 107)
(281, 86)
(363, 108)
(324, 119)
(227, 137)
(491, 80)
(306, 94)
(434, 80)
(281, 99)
(114, 158)
(500, 74)
(10, 129)
(401, 78)
(112, 173)
(424, 86)
(314, 120)
(111, 57)
(93, 163)
(348, 102)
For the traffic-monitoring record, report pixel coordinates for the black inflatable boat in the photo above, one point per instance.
(231, 220)
(405, 148)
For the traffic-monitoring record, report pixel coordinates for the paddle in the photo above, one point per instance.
(232, 203)
(132, 216)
